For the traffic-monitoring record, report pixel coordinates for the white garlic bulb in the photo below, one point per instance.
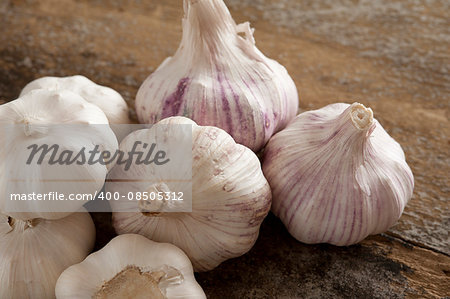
(220, 78)
(34, 253)
(63, 124)
(131, 266)
(107, 99)
(337, 176)
(230, 198)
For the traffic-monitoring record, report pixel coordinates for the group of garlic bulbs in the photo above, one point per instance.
(40, 239)
(334, 174)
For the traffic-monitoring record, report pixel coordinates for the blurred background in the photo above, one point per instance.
(393, 56)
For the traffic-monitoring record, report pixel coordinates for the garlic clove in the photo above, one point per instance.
(230, 197)
(107, 99)
(337, 176)
(131, 266)
(220, 78)
(35, 252)
(60, 121)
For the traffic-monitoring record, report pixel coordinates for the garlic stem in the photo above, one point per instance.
(361, 116)
(206, 22)
(350, 129)
(30, 127)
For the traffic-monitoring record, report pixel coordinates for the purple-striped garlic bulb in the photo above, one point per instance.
(219, 78)
(230, 197)
(337, 176)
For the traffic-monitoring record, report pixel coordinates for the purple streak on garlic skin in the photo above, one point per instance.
(337, 176)
(226, 106)
(241, 117)
(174, 102)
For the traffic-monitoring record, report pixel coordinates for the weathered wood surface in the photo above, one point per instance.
(391, 56)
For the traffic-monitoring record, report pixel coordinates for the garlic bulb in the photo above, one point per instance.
(42, 134)
(107, 99)
(34, 253)
(337, 176)
(230, 198)
(131, 266)
(220, 78)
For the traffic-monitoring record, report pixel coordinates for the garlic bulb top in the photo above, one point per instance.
(34, 253)
(337, 176)
(131, 266)
(230, 198)
(42, 134)
(220, 78)
(107, 99)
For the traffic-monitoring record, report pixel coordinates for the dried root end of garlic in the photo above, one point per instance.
(131, 266)
(134, 282)
(337, 176)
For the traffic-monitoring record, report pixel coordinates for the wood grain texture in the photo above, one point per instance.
(389, 55)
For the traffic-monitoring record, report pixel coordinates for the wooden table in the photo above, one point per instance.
(391, 56)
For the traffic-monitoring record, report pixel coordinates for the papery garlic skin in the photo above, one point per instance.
(221, 79)
(34, 253)
(86, 279)
(337, 176)
(107, 99)
(230, 199)
(50, 117)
